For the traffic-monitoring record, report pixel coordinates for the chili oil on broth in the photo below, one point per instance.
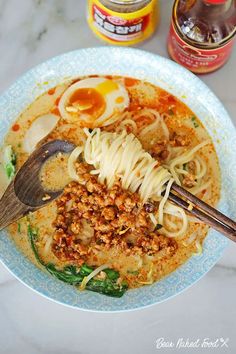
(178, 118)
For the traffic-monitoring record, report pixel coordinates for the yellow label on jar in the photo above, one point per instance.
(122, 28)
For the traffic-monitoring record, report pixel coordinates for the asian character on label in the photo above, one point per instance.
(99, 13)
(122, 30)
(98, 20)
(138, 27)
(132, 29)
(109, 27)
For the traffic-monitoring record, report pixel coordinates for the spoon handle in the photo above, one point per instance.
(11, 208)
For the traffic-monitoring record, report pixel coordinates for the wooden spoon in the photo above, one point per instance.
(25, 193)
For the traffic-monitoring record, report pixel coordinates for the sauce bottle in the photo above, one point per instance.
(202, 33)
(123, 22)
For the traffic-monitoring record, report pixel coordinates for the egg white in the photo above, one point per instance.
(38, 130)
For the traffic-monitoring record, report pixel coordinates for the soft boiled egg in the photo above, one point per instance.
(94, 102)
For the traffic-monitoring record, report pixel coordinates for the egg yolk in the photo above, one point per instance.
(88, 101)
(107, 87)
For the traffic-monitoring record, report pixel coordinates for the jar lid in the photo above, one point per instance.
(126, 2)
(216, 2)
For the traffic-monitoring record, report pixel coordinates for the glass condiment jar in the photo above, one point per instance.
(126, 22)
(202, 33)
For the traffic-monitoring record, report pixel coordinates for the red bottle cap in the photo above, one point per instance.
(215, 2)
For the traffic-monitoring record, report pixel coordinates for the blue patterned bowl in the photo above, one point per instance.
(171, 77)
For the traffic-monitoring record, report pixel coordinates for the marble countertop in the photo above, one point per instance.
(30, 32)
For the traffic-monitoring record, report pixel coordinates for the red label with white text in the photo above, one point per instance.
(195, 59)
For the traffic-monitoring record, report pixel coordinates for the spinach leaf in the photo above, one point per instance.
(111, 274)
(68, 275)
(71, 275)
(195, 124)
(19, 227)
(9, 162)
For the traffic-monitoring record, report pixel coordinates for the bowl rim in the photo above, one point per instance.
(104, 50)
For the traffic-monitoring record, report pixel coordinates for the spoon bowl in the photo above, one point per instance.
(25, 193)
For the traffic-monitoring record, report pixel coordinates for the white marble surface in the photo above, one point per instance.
(30, 32)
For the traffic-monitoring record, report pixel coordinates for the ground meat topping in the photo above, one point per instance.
(189, 181)
(117, 217)
(179, 140)
(160, 151)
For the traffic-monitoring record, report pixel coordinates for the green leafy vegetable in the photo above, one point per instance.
(9, 170)
(9, 162)
(68, 274)
(193, 119)
(71, 275)
(19, 228)
(86, 270)
(33, 235)
(112, 274)
(133, 272)
(107, 287)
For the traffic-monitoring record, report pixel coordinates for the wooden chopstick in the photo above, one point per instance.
(204, 212)
(207, 219)
(204, 206)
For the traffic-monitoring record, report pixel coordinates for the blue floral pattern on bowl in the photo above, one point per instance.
(173, 78)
